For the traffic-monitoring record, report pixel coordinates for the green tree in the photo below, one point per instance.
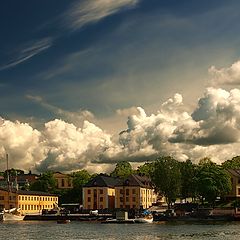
(212, 181)
(234, 163)
(45, 183)
(146, 169)
(188, 179)
(123, 169)
(167, 178)
(74, 195)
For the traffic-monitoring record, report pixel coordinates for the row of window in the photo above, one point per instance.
(95, 191)
(10, 197)
(100, 199)
(127, 191)
(35, 207)
(28, 198)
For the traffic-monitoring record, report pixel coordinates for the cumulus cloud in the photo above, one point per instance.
(212, 129)
(230, 75)
(85, 12)
(71, 147)
(22, 143)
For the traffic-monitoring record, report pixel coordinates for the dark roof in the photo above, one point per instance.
(136, 181)
(24, 192)
(103, 181)
(234, 172)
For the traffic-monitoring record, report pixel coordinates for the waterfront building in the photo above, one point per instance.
(235, 179)
(107, 192)
(27, 201)
(64, 181)
(26, 179)
(99, 193)
(135, 192)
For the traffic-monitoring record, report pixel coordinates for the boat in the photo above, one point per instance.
(12, 215)
(145, 219)
(63, 221)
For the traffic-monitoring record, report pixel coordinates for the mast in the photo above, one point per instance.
(8, 183)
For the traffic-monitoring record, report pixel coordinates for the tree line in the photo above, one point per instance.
(205, 181)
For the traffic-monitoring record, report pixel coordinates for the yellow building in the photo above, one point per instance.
(135, 192)
(99, 193)
(235, 179)
(28, 201)
(108, 192)
(64, 181)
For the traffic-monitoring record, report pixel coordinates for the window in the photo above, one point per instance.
(101, 191)
(89, 199)
(134, 199)
(62, 182)
(121, 199)
(101, 199)
(89, 191)
(69, 182)
(127, 199)
(1, 197)
(121, 191)
(133, 191)
(127, 191)
(238, 191)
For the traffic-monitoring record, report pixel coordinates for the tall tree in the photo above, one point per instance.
(74, 195)
(234, 163)
(212, 181)
(188, 179)
(45, 183)
(123, 169)
(146, 169)
(167, 178)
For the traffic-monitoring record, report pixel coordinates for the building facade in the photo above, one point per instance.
(64, 181)
(108, 192)
(99, 193)
(135, 192)
(235, 179)
(27, 201)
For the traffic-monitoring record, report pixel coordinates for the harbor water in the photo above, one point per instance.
(31, 230)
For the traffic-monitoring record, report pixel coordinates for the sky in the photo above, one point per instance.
(87, 83)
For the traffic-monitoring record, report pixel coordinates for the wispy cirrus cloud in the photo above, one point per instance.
(84, 12)
(28, 51)
(75, 117)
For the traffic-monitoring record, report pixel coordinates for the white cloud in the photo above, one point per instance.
(85, 12)
(22, 143)
(71, 147)
(212, 129)
(230, 75)
(28, 51)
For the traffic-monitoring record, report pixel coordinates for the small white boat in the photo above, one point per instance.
(143, 220)
(12, 215)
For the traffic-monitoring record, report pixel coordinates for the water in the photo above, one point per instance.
(83, 230)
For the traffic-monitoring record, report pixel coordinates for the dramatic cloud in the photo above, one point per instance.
(212, 129)
(229, 75)
(85, 12)
(28, 51)
(71, 147)
(23, 144)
